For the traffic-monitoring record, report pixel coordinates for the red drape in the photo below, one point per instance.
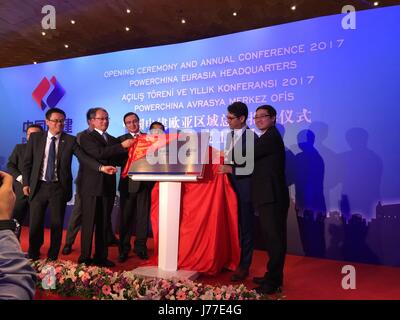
(208, 233)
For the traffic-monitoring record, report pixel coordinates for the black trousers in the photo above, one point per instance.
(242, 187)
(21, 207)
(49, 194)
(96, 215)
(75, 221)
(273, 218)
(134, 206)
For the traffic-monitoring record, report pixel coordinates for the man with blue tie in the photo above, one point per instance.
(47, 180)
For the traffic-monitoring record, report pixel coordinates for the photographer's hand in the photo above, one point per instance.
(7, 196)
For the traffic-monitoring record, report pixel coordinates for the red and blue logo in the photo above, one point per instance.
(53, 97)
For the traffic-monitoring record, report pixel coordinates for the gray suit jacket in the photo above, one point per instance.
(17, 277)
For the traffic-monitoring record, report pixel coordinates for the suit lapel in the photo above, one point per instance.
(98, 136)
(42, 144)
(61, 145)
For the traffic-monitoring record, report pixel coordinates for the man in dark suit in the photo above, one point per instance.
(14, 166)
(75, 220)
(270, 197)
(135, 202)
(47, 179)
(99, 190)
(238, 154)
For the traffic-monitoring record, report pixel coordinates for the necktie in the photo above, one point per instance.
(51, 159)
(104, 136)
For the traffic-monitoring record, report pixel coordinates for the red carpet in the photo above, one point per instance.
(305, 278)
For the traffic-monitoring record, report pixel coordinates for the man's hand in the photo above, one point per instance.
(224, 169)
(7, 196)
(108, 170)
(26, 190)
(127, 143)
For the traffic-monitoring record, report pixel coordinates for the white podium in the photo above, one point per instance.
(170, 178)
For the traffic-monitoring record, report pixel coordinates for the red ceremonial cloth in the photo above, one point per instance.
(208, 232)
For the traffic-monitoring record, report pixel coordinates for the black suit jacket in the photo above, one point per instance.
(93, 182)
(78, 139)
(33, 161)
(240, 182)
(15, 165)
(268, 180)
(127, 185)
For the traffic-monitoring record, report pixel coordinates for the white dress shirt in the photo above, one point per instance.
(46, 156)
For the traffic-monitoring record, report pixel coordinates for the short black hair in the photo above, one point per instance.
(92, 112)
(88, 114)
(131, 114)
(54, 110)
(156, 123)
(37, 126)
(239, 109)
(270, 109)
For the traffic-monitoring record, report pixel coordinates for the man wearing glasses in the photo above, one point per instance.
(270, 197)
(98, 190)
(135, 202)
(239, 145)
(47, 180)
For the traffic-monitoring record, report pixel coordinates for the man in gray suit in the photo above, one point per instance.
(18, 279)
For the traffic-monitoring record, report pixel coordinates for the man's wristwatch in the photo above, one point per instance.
(11, 224)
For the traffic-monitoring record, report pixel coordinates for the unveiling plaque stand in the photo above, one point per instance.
(181, 159)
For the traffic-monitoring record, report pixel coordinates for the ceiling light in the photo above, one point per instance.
(72, 21)
(183, 21)
(128, 10)
(34, 62)
(66, 46)
(234, 14)
(293, 8)
(43, 33)
(127, 29)
(376, 3)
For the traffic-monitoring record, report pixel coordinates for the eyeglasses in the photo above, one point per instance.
(261, 117)
(133, 121)
(103, 119)
(231, 118)
(57, 120)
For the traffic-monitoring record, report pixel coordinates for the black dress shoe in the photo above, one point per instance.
(268, 289)
(123, 257)
(52, 258)
(240, 274)
(33, 257)
(104, 263)
(67, 250)
(86, 261)
(142, 254)
(260, 280)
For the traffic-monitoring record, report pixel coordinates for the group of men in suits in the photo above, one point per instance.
(42, 170)
(263, 189)
(45, 166)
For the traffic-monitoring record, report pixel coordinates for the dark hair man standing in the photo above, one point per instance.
(270, 197)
